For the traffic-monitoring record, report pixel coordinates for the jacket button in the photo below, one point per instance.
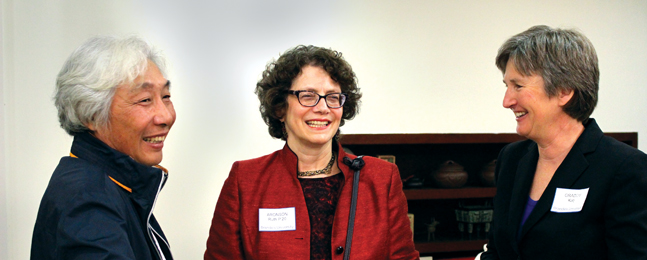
(339, 250)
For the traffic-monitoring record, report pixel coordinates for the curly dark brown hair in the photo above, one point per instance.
(277, 80)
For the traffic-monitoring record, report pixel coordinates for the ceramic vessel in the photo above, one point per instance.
(450, 175)
(487, 174)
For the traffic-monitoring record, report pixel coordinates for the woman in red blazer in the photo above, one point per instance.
(295, 202)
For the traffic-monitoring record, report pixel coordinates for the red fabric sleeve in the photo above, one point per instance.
(401, 239)
(224, 240)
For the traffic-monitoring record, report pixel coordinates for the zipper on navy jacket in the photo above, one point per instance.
(152, 234)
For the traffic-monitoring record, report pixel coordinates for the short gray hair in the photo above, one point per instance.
(86, 84)
(565, 59)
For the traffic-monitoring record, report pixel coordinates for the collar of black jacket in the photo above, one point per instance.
(144, 181)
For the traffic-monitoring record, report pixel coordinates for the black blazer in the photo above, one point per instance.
(612, 223)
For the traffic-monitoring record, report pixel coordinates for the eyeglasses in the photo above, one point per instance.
(309, 98)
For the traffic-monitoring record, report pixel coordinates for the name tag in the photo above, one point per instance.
(283, 219)
(569, 200)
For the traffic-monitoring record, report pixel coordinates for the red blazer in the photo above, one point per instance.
(381, 225)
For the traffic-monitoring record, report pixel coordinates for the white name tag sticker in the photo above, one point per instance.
(569, 200)
(283, 219)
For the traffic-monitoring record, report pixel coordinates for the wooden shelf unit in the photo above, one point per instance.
(630, 138)
(439, 194)
(420, 154)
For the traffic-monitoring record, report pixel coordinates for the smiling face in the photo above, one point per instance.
(141, 115)
(312, 126)
(537, 114)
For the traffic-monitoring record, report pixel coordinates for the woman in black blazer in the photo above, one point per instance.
(568, 192)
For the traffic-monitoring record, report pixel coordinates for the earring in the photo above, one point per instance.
(285, 132)
(337, 135)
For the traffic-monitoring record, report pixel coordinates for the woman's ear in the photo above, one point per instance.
(565, 96)
(91, 126)
(281, 115)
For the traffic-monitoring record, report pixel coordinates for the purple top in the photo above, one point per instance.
(530, 205)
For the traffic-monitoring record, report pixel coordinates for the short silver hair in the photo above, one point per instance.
(565, 59)
(86, 84)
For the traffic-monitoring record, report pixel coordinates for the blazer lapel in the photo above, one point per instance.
(567, 173)
(523, 181)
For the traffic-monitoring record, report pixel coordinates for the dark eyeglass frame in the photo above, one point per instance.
(342, 97)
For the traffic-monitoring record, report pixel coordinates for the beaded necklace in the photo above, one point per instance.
(318, 172)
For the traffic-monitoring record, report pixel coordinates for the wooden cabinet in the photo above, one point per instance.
(419, 155)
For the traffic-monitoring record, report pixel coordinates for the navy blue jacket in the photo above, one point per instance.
(99, 205)
(612, 223)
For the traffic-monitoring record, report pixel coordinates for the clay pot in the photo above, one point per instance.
(450, 175)
(487, 174)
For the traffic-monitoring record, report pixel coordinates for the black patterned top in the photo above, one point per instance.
(321, 196)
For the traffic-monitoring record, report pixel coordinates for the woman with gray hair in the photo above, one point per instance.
(568, 192)
(114, 99)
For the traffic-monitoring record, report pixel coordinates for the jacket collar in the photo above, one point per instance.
(290, 160)
(144, 181)
(565, 176)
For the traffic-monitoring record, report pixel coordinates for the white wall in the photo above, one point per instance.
(3, 171)
(424, 66)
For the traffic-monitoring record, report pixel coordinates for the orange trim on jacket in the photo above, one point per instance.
(115, 181)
